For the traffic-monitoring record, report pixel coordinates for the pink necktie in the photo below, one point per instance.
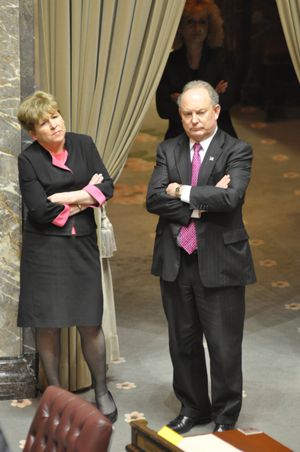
(187, 234)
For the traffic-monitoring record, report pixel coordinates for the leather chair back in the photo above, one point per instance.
(66, 422)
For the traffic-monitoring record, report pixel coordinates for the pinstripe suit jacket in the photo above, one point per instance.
(224, 254)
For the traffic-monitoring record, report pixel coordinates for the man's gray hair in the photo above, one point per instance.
(214, 96)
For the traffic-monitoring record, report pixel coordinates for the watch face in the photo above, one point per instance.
(177, 190)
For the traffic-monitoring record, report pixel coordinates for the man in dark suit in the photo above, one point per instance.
(203, 258)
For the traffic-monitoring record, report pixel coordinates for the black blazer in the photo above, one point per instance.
(39, 178)
(215, 65)
(224, 254)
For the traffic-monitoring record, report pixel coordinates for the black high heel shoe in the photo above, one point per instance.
(113, 416)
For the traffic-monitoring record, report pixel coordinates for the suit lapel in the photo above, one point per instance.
(212, 154)
(183, 159)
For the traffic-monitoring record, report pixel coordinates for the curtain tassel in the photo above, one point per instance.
(108, 243)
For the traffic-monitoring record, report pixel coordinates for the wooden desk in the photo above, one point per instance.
(143, 439)
(259, 442)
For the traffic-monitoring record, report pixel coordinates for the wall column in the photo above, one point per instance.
(17, 352)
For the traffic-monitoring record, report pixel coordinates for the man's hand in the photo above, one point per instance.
(171, 189)
(224, 182)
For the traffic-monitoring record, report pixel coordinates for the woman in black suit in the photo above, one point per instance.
(199, 57)
(62, 178)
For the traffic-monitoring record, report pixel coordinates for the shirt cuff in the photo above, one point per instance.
(96, 194)
(185, 193)
(196, 213)
(62, 218)
(185, 197)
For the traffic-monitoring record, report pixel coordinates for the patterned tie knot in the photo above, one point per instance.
(197, 147)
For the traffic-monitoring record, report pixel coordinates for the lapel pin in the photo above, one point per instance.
(211, 159)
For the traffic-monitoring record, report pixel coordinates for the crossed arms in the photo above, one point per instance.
(218, 195)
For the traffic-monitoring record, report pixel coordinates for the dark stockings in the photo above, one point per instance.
(93, 348)
(48, 347)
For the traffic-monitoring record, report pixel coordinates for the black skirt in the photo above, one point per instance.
(60, 281)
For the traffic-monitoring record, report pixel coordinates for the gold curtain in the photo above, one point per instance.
(289, 12)
(103, 59)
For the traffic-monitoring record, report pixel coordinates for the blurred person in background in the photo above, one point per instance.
(198, 55)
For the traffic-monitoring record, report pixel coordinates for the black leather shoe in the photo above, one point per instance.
(183, 424)
(113, 416)
(223, 427)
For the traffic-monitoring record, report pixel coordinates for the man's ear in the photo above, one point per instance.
(217, 109)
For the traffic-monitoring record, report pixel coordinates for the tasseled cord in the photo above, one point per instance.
(108, 243)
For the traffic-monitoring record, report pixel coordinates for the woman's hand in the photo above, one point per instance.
(221, 87)
(76, 208)
(174, 97)
(96, 179)
(224, 182)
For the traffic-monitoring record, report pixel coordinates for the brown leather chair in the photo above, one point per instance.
(66, 422)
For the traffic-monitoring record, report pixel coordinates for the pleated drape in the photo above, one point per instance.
(103, 60)
(289, 12)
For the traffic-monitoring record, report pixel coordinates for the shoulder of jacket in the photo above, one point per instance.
(32, 150)
(176, 56)
(172, 145)
(78, 142)
(231, 142)
(73, 136)
(174, 141)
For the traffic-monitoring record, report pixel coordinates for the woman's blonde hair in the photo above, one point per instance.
(215, 34)
(35, 107)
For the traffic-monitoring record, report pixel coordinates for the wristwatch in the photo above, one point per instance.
(178, 191)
